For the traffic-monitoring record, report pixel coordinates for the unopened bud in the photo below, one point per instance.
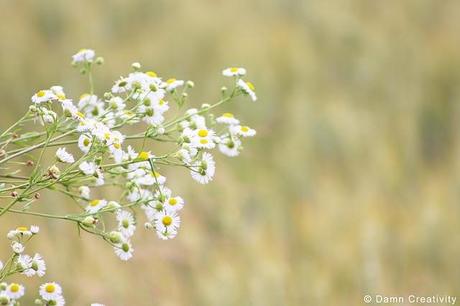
(190, 84)
(108, 96)
(14, 194)
(99, 60)
(223, 89)
(30, 163)
(38, 302)
(33, 108)
(115, 237)
(89, 221)
(136, 66)
(37, 196)
(54, 172)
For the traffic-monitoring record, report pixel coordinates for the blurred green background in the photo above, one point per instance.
(350, 187)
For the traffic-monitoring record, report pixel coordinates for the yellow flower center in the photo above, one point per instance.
(94, 202)
(117, 146)
(162, 102)
(107, 136)
(14, 287)
(244, 129)
(22, 229)
(202, 133)
(80, 114)
(156, 174)
(234, 70)
(41, 93)
(172, 201)
(50, 288)
(167, 220)
(228, 115)
(151, 74)
(251, 86)
(86, 142)
(84, 96)
(61, 96)
(143, 155)
(203, 141)
(170, 81)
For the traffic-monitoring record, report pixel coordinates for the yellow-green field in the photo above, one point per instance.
(351, 187)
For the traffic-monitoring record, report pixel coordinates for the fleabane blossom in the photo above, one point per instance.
(95, 205)
(203, 170)
(230, 146)
(84, 56)
(124, 250)
(88, 168)
(234, 71)
(63, 156)
(126, 223)
(172, 84)
(43, 95)
(49, 291)
(242, 130)
(84, 143)
(85, 192)
(15, 291)
(248, 88)
(227, 118)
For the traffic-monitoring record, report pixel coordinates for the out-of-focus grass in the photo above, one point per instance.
(351, 187)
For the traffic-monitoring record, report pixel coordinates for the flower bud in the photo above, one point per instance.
(33, 108)
(113, 205)
(190, 84)
(223, 89)
(38, 302)
(108, 95)
(30, 163)
(115, 237)
(54, 172)
(161, 130)
(99, 60)
(37, 196)
(136, 66)
(88, 221)
(4, 300)
(14, 194)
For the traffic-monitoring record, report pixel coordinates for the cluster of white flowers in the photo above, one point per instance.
(51, 293)
(94, 149)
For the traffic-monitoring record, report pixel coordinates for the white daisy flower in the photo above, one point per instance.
(234, 71)
(84, 192)
(88, 168)
(124, 250)
(227, 118)
(230, 146)
(167, 220)
(120, 86)
(84, 55)
(17, 247)
(19, 232)
(50, 291)
(15, 291)
(63, 156)
(56, 301)
(201, 138)
(34, 229)
(248, 88)
(126, 223)
(58, 91)
(69, 109)
(166, 234)
(174, 203)
(25, 264)
(172, 84)
(43, 96)
(95, 205)
(84, 143)
(117, 103)
(203, 170)
(242, 130)
(38, 265)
